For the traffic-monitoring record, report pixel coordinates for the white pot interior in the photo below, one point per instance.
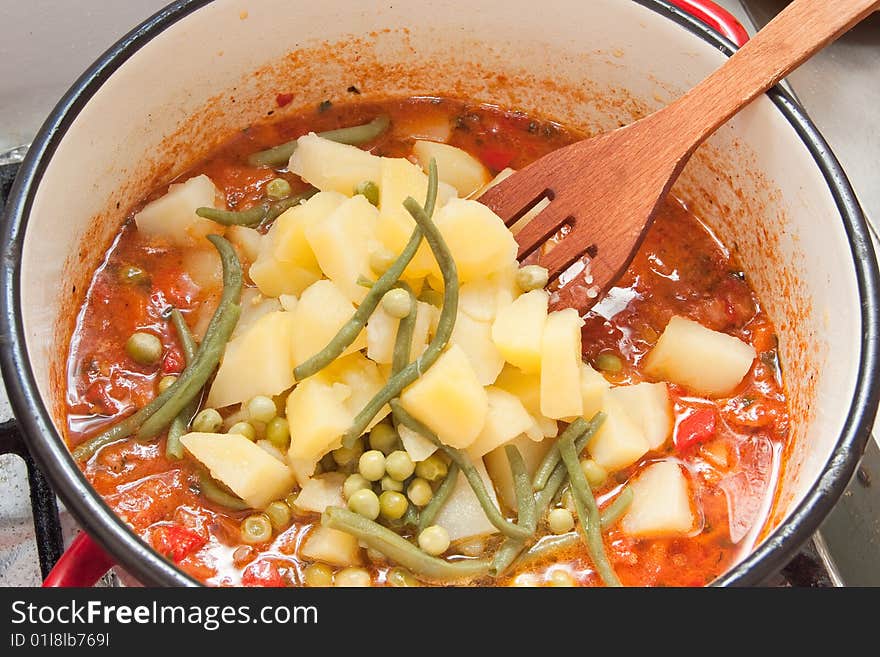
(594, 65)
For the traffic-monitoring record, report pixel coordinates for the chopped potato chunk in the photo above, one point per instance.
(341, 245)
(498, 466)
(477, 238)
(322, 491)
(322, 310)
(449, 399)
(257, 362)
(527, 387)
(518, 330)
(331, 166)
(707, 362)
(648, 405)
(661, 503)
(462, 516)
(320, 417)
(173, 217)
(332, 546)
(506, 419)
(561, 365)
(241, 465)
(619, 442)
(401, 178)
(454, 166)
(286, 263)
(475, 339)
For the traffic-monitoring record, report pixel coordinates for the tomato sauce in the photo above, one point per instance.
(730, 447)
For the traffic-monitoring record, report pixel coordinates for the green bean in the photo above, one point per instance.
(526, 510)
(353, 327)
(527, 515)
(263, 213)
(214, 493)
(411, 517)
(194, 377)
(133, 422)
(441, 495)
(587, 511)
(609, 516)
(619, 506)
(399, 550)
(173, 446)
(511, 548)
(403, 341)
(414, 370)
(468, 470)
(354, 136)
(551, 458)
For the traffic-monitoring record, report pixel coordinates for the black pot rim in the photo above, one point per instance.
(150, 568)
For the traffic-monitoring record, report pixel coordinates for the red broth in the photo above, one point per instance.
(681, 269)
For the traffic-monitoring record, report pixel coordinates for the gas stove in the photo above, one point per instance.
(34, 526)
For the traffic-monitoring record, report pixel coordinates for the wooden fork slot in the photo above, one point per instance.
(547, 195)
(544, 226)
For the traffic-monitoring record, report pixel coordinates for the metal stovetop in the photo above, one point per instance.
(839, 89)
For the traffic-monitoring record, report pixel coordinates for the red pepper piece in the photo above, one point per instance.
(176, 542)
(497, 158)
(173, 363)
(262, 573)
(696, 428)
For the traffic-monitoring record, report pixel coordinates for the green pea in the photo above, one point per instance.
(165, 382)
(532, 277)
(279, 514)
(352, 484)
(144, 348)
(208, 420)
(608, 362)
(392, 505)
(434, 540)
(397, 303)
(290, 500)
(261, 408)
(246, 429)
(278, 188)
(372, 465)
(365, 503)
(560, 521)
(352, 577)
(401, 577)
(419, 492)
(133, 275)
(370, 190)
(384, 438)
(559, 577)
(278, 432)
(432, 468)
(256, 529)
(399, 465)
(388, 483)
(345, 455)
(596, 475)
(381, 259)
(317, 575)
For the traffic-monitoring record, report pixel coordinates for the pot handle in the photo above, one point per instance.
(81, 565)
(715, 17)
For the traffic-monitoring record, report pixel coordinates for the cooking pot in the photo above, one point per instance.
(181, 82)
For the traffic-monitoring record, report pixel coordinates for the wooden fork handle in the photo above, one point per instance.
(799, 31)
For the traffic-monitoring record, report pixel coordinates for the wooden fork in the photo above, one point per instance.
(607, 189)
